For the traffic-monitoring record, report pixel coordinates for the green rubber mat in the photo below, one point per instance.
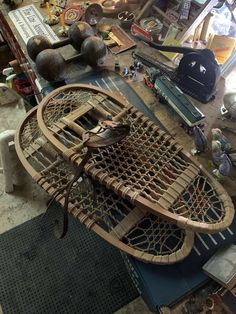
(78, 274)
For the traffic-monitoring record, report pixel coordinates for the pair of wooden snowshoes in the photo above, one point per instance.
(120, 175)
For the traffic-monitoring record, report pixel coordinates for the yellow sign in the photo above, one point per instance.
(169, 41)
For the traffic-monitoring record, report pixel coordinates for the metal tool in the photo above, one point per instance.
(197, 74)
(115, 38)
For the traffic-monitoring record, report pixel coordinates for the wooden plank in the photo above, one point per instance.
(205, 9)
(177, 188)
(30, 150)
(77, 113)
(144, 11)
(73, 126)
(128, 223)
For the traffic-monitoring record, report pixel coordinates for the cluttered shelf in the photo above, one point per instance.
(188, 115)
(154, 28)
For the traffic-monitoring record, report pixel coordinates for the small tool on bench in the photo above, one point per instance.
(115, 39)
(110, 39)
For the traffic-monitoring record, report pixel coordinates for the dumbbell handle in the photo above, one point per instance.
(61, 43)
(76, 57)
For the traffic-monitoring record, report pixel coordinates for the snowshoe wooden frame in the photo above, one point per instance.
(132, 230)
(148, 167)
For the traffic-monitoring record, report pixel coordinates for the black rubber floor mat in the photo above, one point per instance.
(78, 274)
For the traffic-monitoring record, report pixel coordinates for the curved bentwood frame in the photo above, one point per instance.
(132, 230)
(148, 168)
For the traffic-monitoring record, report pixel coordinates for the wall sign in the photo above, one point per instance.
(29, 22)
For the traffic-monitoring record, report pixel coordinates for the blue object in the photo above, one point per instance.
(125, 71)
(225, 165)
(200, 139)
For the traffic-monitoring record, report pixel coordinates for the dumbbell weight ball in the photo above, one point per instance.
(93, 51)
(51, 65)
(78, 32)
(76, 35)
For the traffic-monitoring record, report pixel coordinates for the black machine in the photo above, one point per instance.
(197, 74)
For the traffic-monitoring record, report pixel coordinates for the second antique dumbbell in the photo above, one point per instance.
(77, 33)
(51, 65)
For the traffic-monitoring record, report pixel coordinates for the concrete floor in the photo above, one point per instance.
(29, 200)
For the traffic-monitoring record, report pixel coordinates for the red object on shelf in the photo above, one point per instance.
(23, 87)
(137, 30)
(73, 14)
(18, 53)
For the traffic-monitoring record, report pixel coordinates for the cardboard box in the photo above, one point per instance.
(221, 46)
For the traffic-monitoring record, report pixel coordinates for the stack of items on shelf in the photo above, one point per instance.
(175, 20)
(120, 175)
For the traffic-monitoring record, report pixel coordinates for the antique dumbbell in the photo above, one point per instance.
(51, 65)
(76, 34)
